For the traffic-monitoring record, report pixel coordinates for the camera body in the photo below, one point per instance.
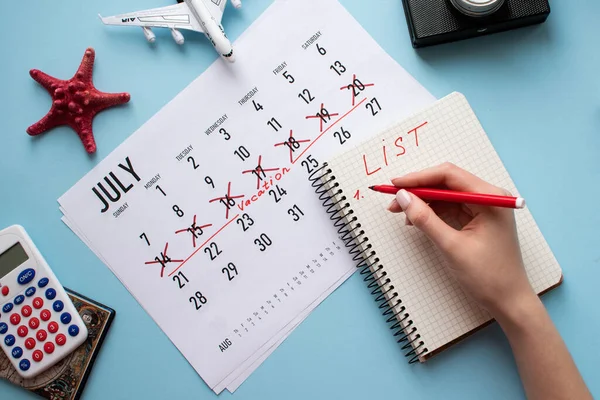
(433, 22)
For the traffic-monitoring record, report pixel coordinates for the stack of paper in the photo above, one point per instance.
(209, 202)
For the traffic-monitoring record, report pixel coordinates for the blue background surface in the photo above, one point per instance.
(536, 91)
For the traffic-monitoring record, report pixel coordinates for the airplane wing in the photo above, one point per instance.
(177, 16)
(216, 8)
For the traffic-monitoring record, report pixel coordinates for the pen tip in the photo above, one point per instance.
(372, 187)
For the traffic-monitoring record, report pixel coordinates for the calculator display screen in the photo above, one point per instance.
(12, 258)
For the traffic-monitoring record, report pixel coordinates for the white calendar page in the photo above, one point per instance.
(206, 214)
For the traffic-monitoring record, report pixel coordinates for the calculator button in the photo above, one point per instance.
(3, 328)
(50, 293)
(29, 343)
(7, 307)
(65, 318)
(73, 330)
(37, 356)
(58, 306)
(61, 339)
(9, 340)
(38, 302)
(30, 291)
(19, 299)
(26, 276)
(52, 327)
(34, 323)
(22, 331)
(43, 282)
(49, 348)
(45, 315)
(24, 365)
(15, 319)
(26, 311)
(41, 335)
(5, 290)
(17, 352)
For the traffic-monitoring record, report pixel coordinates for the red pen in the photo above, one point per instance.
(452, 196)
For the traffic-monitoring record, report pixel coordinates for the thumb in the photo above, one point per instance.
(425, 219)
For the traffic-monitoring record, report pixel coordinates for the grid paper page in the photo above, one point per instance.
(447, 131)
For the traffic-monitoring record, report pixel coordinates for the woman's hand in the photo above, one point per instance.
(482, 250)
(480, 243)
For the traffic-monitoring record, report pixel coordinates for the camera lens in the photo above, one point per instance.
(477, 8)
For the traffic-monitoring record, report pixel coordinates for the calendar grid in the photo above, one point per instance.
(148, 208)
(334, 123)
(203, 244)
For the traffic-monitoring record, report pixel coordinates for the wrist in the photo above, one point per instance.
(518, 313)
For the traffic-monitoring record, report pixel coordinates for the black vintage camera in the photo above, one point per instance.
(439, 21)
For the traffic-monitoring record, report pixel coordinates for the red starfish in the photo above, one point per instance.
(75, 102)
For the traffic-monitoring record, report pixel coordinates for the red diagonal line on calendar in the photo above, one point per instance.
(300, 156)
(204, 244)
(328, 128)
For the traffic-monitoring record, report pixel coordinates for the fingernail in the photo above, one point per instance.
(389, 208)
(403, 198)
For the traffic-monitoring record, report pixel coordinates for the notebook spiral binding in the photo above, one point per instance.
(333, 199)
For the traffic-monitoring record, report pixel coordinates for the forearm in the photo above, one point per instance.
(545, 365)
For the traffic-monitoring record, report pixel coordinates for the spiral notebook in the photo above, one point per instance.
(424, 305)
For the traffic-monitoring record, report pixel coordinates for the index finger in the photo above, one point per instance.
(448, 175)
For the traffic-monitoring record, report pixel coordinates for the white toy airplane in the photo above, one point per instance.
(196, 15)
